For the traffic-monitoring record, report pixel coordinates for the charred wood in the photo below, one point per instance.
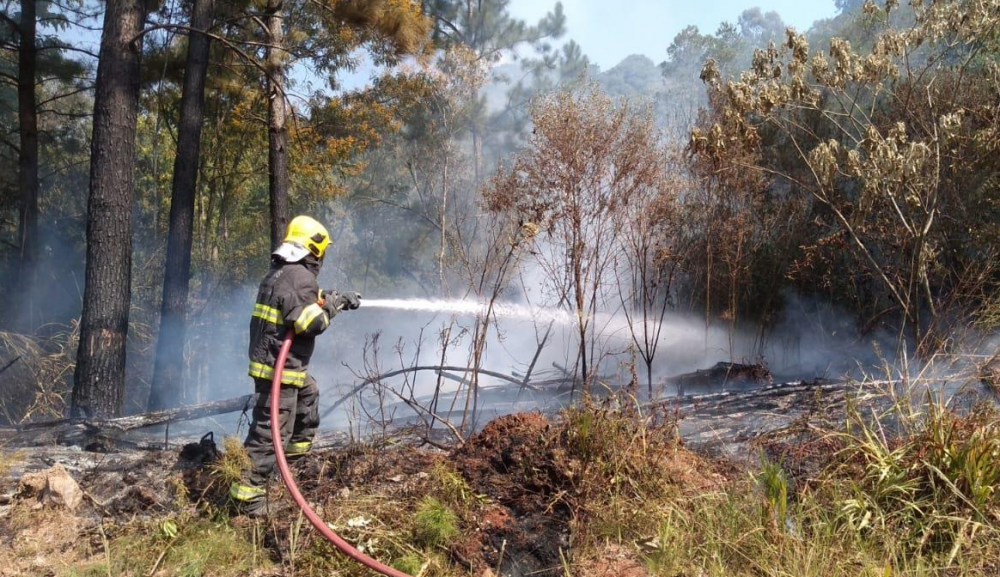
(81, 431)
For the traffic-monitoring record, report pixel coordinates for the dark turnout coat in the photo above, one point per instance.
(288, 298)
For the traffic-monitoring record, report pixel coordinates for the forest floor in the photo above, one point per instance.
(750, 483)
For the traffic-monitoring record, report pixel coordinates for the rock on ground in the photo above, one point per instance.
(53, 487)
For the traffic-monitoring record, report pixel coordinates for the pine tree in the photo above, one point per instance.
(167, 385)
(99, 381)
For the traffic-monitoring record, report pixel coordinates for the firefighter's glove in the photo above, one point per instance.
(330, 301)
(350, 300)
(340, 301)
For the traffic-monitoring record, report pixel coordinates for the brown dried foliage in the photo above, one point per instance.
(889, 149)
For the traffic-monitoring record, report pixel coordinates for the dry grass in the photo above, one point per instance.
(623, 468)
(8, 459)
(233, 463)
(36, 383)
(904, 492)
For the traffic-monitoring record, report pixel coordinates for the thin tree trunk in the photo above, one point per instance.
(444, 222)
(477, 154)
(99, 381)
(580, 301)
(28, 154)
(277, 116)
(168, 387)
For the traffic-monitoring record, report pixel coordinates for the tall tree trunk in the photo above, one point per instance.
(99, 382)
(27, 174)
(168, 387)
(277, 116)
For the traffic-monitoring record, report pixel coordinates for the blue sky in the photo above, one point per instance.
(609, 31)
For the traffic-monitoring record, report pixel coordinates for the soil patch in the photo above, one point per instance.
(539, 475)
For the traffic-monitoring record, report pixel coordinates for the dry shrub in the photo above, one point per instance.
(888, 149)
(623, 466)
(589, 161)
(37, 375)
(229, 468)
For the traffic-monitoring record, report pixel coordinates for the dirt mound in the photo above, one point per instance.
(512, 460)
(548, 480)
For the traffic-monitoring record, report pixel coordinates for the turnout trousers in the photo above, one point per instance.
(298, 412)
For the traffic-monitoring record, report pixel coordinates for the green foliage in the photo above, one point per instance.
(192, 548)
(774, 486)
(410, 564)
(452, 489)
(933, 490)
(489, 28)
(409, 530)
(436, 523)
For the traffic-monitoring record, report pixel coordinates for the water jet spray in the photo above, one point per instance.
(471, 307)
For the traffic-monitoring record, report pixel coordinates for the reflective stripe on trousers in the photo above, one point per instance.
(262, 371)
(242, 492)
(299, 448)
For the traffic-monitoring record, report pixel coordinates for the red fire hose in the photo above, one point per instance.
(286, 474)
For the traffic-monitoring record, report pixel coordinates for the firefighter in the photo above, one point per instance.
(288, 298)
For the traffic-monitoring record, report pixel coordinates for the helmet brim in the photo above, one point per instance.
(291, 252)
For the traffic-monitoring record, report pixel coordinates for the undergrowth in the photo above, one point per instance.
(409, 525)
(900, 488)
(903, 492)
(622, 465)
(178, 547)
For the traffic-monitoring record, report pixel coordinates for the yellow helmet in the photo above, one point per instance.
(306, 232)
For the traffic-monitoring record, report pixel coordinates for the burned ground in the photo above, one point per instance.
(515, 488)
(600, 489)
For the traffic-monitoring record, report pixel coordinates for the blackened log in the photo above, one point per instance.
(79, 428)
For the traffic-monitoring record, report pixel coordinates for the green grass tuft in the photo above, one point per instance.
(410, 564)
(436, 524)
(194, 548)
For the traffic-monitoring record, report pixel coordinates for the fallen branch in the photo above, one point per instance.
(415, 369)
(9, 364)
(71, 428)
